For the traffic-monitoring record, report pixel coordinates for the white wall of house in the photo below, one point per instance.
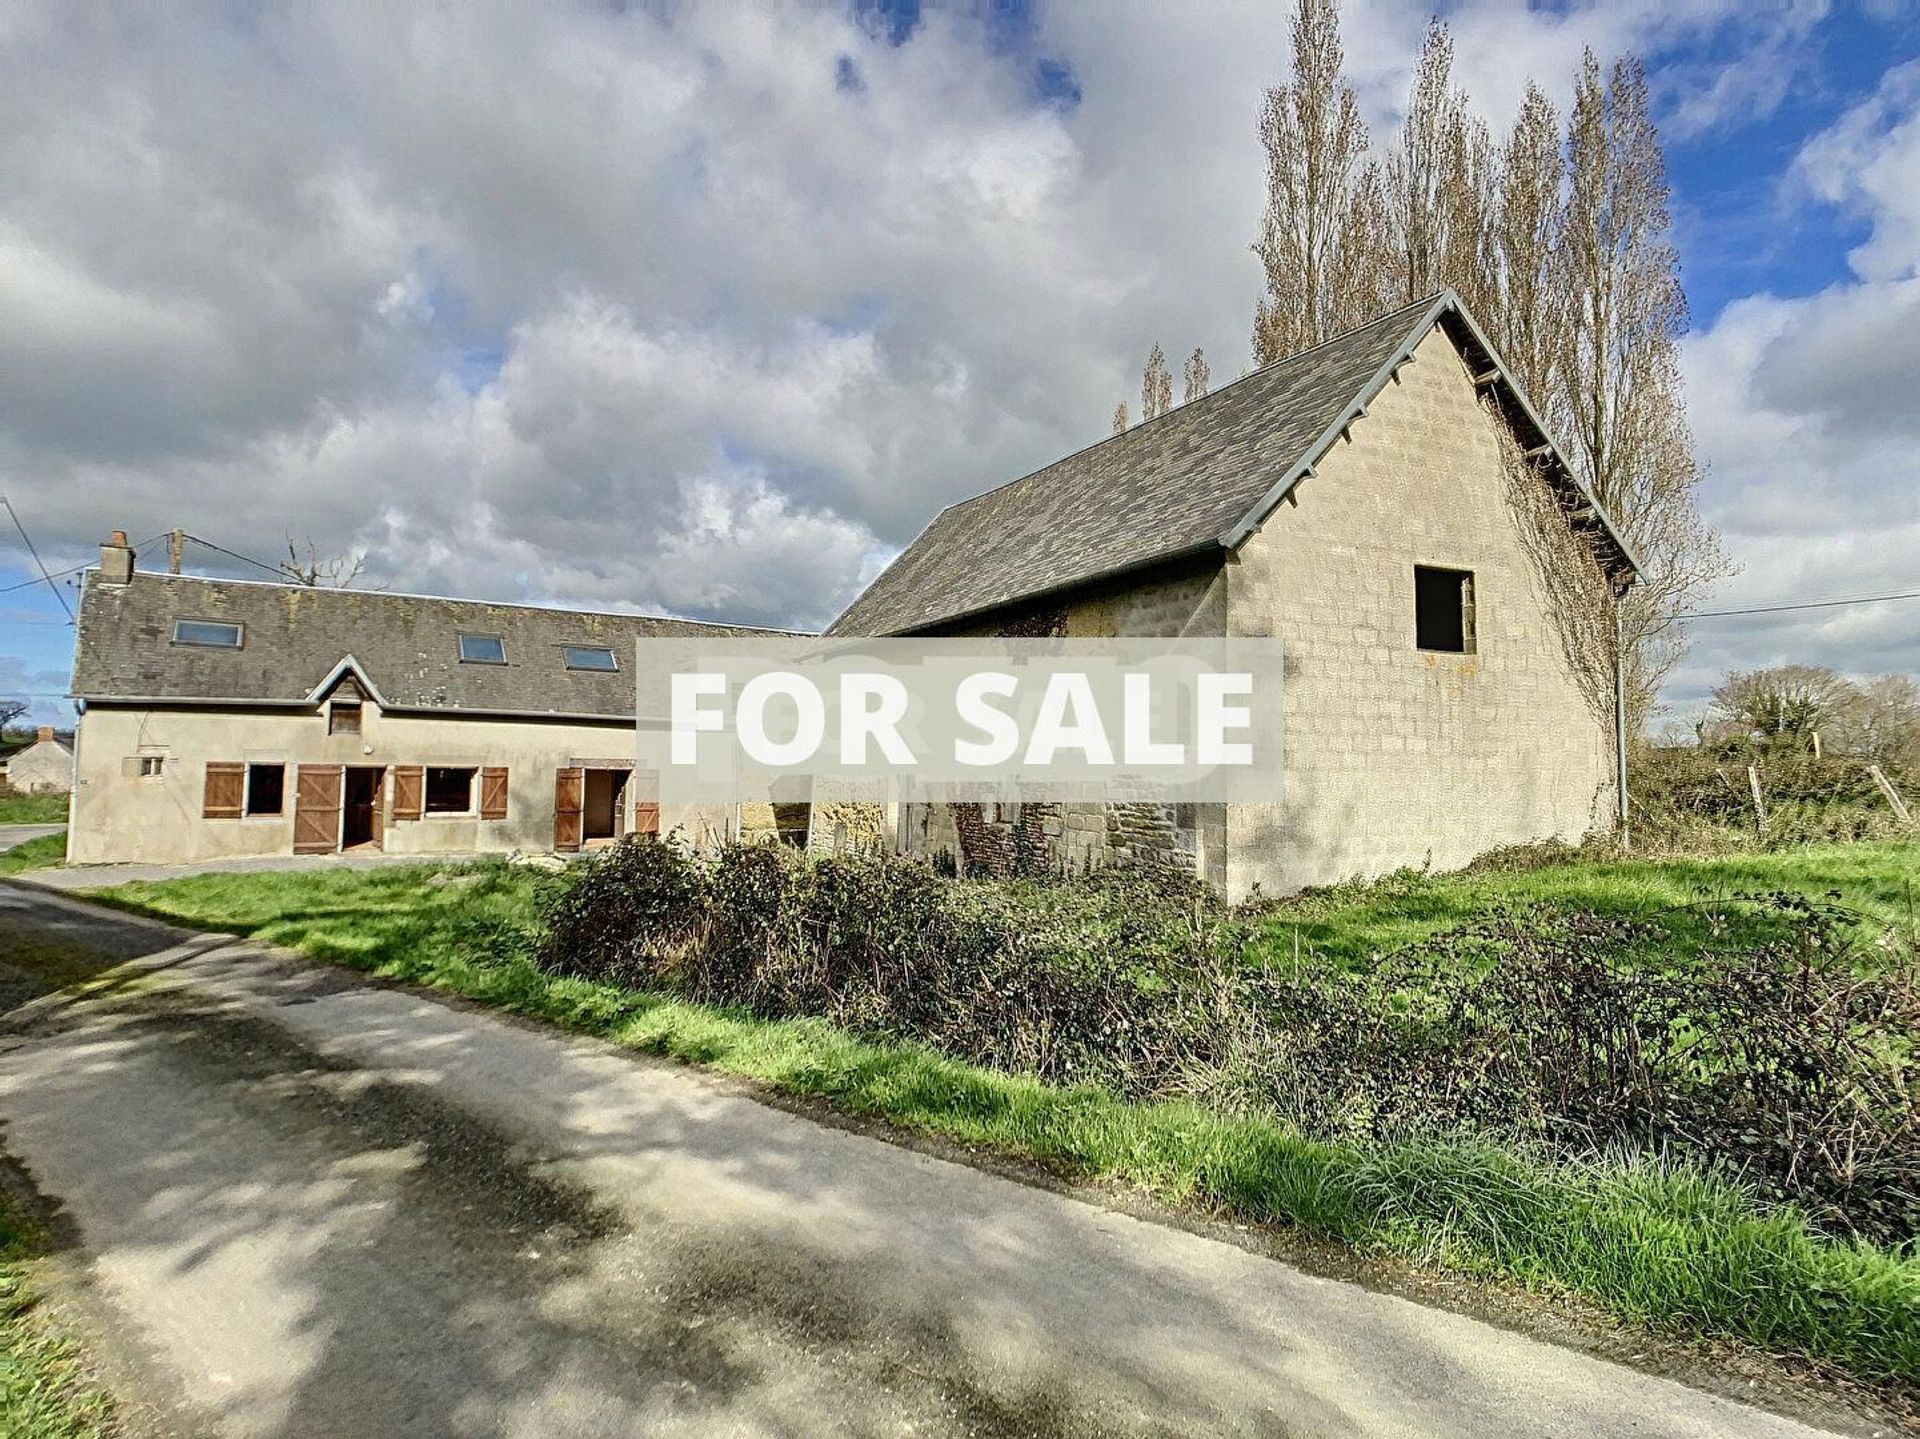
(44, 767)
(122, 814)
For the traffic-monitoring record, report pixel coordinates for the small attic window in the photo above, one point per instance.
(482, 650)
(590, 657)
(1443, 609)
(212, 634)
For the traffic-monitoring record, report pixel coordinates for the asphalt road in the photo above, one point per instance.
(312, 1207)
(13, 834)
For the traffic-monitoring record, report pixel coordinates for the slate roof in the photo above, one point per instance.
(406, 648)
(1199, 478)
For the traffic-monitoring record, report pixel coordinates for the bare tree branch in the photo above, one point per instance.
(339, 572)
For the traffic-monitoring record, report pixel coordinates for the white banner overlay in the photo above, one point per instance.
(736, 720)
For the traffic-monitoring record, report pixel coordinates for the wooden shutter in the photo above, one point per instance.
(316, 809)
(646, 816)
(409, 790)
(226, 792)
(569, 794)
(493, 794)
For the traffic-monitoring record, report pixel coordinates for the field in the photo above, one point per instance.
(1349, 924)
(1653, 1241)
(32, 808)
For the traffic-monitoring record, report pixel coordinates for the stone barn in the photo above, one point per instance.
(1390, 505)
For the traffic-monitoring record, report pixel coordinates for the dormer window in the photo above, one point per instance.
(482, 650)
(210, 634)
(590, 657)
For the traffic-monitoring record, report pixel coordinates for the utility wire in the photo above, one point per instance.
(25, 539)
(280, 571)
(75, 569)
(236, 555)
(1807, 605)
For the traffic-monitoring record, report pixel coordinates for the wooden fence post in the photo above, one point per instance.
(1892, 794)
(1759, 799)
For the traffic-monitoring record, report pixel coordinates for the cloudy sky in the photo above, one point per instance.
(707, 308)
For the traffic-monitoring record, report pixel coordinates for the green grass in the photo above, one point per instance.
(49, 849)
(33, 809)
(1346, 925)
(1654, 1245)
(44, 1393)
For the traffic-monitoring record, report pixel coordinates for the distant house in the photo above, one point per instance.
(1389, 505)
(229, 718)
(43, 767)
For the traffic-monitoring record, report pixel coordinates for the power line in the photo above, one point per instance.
(57, 574)
(74, 569)
(1806, 605)
(36, 558)
(236, 555)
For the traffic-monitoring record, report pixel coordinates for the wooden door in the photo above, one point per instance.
(360, 821)
(316, 809)
(569, 799)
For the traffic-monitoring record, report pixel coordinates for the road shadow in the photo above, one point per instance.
(432, 1223)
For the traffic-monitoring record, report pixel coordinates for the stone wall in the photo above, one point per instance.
(1072, 838)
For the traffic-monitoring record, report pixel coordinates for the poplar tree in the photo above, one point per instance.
(1197, 377)
(1156, 385)
(1525, 309)
(1558, 241)
(1617, 397)
(1319, 235)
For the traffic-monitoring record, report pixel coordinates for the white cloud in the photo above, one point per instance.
(39, 687)
(701, 307)
(1803, 409)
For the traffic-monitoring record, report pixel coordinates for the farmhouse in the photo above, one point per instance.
(1390, 506)
(229, 718)
(43, 767)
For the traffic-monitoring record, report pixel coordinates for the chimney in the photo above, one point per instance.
(116, 560)
(43, 735)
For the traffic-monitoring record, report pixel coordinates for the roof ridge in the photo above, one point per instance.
(1287, 359)
(459, 600)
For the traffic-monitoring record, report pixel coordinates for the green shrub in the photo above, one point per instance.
(1090, 980)
(1759, 1050)
(1696, 799)
(1784, 1060)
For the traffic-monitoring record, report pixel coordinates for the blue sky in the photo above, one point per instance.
(706, 309)
(1739, 224)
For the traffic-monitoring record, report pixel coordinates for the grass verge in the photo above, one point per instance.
(33, 809)
(1655, 1245)
(44, 1393)
(49, 849)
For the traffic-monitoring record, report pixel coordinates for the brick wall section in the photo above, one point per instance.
(1395, 756)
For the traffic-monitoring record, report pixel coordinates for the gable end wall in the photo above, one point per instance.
(1396, 756)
